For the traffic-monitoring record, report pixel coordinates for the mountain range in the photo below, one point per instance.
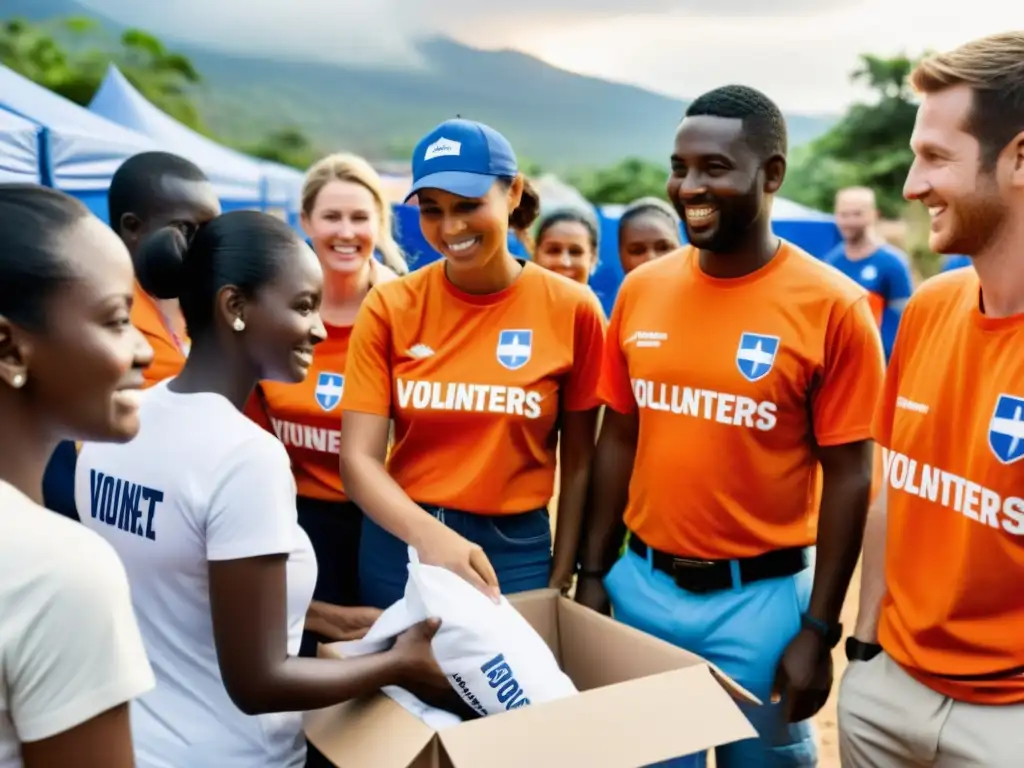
(553, 117)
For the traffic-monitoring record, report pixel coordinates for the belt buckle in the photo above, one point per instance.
(682, 564)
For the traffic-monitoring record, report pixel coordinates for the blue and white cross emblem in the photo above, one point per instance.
(1006, 430)
(514, 348)
(755, 355)
(329, 387)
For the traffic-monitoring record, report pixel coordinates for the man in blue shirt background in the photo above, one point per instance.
(884, 271)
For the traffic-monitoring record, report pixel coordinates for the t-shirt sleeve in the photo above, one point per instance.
(252, 508)
(614, 388)
(844, 402)
(368, 367)
(588, 348)
(81, 652)
(885, 412)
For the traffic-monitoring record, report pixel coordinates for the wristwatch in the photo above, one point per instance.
(857, 650)
(830, 633)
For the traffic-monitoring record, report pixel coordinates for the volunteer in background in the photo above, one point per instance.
(567, 243)
(648, 228)
(740, 375)
(942, 682)
(148, 191)
(346, 218)
(71, 657)
(954, 261)
(201, 508)
(483, 361)
(868, 260)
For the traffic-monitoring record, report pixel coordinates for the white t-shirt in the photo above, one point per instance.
(200, 482)
(69, 645)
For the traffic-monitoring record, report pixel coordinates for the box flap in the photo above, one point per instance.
(374, 731)
(678, 713)
(349, 734)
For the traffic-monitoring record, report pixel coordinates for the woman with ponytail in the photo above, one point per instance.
(347, 220)
(483, 361)
(201, 508)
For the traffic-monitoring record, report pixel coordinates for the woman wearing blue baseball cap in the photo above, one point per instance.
(485, 362)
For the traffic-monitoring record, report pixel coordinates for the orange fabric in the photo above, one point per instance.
(877, 303)
(470, 432)
(168, 357)
(725, 464)
(952, 421)
(306, 417)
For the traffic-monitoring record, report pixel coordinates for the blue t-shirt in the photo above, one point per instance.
(955, 261)
(885, 274)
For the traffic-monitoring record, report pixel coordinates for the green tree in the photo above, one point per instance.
(289, 146)
(71, 56)
(869, 146)
(621, 183)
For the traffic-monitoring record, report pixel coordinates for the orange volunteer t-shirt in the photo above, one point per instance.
(475, 384)
(733, 382)
(168, 350)
(952, 421)
(306, 417)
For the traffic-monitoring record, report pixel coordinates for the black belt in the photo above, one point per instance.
(702, 576)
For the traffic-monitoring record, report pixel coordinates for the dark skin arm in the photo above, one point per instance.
(804, 677)
(575, 454)
(603, 528)
(104, 741)
(248, 607)
(340, 622)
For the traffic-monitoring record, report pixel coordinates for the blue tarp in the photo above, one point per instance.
(82, 150)
(19, 149)
(240, 181)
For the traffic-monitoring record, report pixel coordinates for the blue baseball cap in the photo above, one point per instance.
(461, 157)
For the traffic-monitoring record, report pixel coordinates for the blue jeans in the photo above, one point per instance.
(742, 630)
(518, 546)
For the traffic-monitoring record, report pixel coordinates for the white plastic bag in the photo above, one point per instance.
(494, 659)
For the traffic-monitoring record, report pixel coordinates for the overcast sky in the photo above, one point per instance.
(800, 52)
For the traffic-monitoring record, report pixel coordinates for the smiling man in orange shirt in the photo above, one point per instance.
(943, 685)
(741, 375)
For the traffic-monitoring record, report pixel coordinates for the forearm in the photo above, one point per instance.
(872, 572)
(571, 499)
(300, 684)
(369, 485)
(603, 527)
(844, 506)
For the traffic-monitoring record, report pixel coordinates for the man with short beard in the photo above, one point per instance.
(937, 664)
(741, 375)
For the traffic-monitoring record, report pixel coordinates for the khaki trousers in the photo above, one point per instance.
(889, 720)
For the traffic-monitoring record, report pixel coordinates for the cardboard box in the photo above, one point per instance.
(641, 701)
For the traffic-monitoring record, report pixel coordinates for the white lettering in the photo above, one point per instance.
(937, 486)
(721, 407)
(307, 437)
(472, 398)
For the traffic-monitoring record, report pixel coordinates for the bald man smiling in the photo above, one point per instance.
(866, 258)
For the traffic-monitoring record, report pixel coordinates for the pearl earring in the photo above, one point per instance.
(239, 324)
(18, 381)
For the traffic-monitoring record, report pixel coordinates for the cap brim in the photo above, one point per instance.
(461, 183)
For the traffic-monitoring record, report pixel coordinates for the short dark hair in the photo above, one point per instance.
(763, 123)
(33, 220)
(993, 68)
(135, 185)
(575, 215)
(242, 248)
